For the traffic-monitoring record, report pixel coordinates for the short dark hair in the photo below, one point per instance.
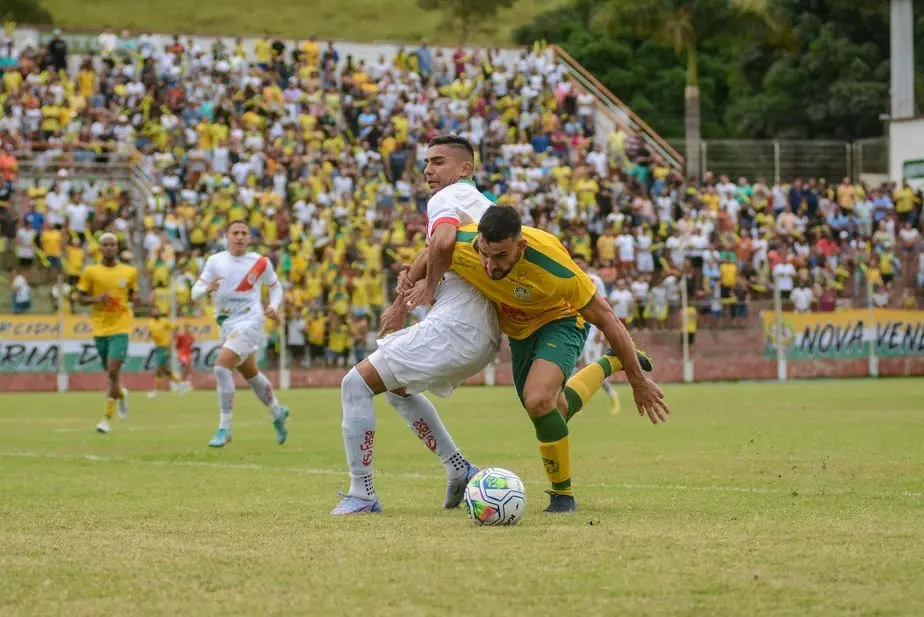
(499, 223)
(235, 222)
(455, 141)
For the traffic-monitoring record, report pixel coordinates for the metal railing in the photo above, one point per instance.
(618, 111)
(783, 160)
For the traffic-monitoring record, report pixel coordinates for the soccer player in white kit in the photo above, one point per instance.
(457, 339)
(593, 348)
(235, 279)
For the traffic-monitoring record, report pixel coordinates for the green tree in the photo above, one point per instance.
(467, 16)
(687, 26)
(24, 11)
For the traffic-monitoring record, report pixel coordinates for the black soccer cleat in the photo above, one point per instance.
(559, 503)
(643, 358)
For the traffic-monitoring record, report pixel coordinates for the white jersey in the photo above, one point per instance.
(239, 300)
(598, 283)
(455, 299)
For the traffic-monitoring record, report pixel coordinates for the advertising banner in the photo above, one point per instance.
(31, 343)
(845, 334)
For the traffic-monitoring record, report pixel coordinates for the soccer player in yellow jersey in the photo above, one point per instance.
(110, 287)
(160, 330)
(545, 303)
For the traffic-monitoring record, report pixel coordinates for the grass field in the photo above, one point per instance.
(797, 499)
(351, 20)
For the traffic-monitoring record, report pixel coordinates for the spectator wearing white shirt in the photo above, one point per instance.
(22, 294)
(784, 273)
(621, 300)
(25, 246)
(802, 298)
(625, 242)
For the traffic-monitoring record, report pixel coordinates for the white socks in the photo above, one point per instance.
(422, 418)
(358, 432)
(262, 387)
(224, 380)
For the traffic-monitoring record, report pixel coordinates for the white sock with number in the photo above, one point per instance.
(224, 380)
(262, 387)
(422, 418)
(358, 432)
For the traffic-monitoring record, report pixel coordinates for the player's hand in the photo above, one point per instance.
(404, 284)
(103, 298)
(213, 286)
(419, 295)
(649, 399)
(270, 313)
(393, 319)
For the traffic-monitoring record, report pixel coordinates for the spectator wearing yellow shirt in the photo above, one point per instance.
(52, 244)
(74, 259)
(317, 335)
(904, 199)
(338, 343)
(263, 51)
(606, 248)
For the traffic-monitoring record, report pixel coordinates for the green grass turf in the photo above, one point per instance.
(796, 499)
(352, 20)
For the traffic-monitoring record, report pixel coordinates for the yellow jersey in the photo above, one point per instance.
(120, 280)
(544, 286)
(160, 330)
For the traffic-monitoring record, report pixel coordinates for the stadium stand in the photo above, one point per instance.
(322, 155)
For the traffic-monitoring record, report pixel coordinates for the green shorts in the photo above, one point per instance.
(113, 347)
(161, 357)
(561, 342)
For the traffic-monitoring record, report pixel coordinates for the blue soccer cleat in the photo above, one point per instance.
(455, 488)
(280, 425)
(221, 439)
(356, 505)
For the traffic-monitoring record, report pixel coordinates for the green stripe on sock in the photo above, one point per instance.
(550, 427)
(605, 365)
(561, 486)
(574, 401)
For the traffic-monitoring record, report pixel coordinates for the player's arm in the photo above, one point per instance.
(206, 283)
(439, 258)
(83, 291)
(648, 396)
(275, 294)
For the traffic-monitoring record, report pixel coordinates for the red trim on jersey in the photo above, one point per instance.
(446, 219)
(253, 275)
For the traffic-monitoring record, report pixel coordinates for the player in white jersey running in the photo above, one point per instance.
(235, 278)
(593, 348)
(457, 339)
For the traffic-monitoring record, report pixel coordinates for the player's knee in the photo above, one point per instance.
(224, 378)
(353, 382)
(538, 402)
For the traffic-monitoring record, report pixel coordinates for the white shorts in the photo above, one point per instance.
(432, 355)
(244, 340)
(593, 350)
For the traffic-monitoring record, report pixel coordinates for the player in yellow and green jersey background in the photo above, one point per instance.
(160, 331)
(110, 287)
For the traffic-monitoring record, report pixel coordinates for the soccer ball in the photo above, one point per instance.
(495, 496)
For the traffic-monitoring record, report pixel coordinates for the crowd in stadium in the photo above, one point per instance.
(322, 155)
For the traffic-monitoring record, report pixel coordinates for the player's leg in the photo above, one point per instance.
(263, 389)
(357, 389)
(585, 383)
(227, 361)
(118, 351)
(540, 364)
(102, 348)
(437, 357)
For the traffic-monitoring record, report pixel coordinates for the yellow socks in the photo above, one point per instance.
(110, 408)
(587, 381)
(555, 449)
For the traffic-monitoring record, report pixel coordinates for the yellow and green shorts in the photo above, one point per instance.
(161, 357)
(560, 342)
(112, 347)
